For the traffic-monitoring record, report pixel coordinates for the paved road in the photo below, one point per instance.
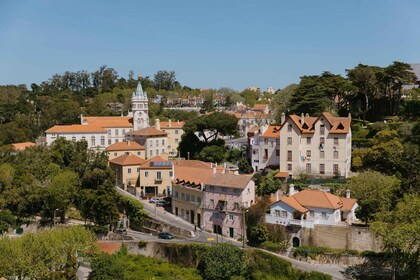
(201, 236)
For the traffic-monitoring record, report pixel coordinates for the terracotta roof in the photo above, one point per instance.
(197, 164)
(127, 160)
(125, 146)
(110, 121)
(75, 128)
(156, 163)
(281, 175)
(259, 106)
(319, 199)
(173, 125)
(237, 115)
(108, 247)
(308, 125)
(338, 124)
(348, 203)
(292, 202)
(253, 129)
(148, 131)
(193, 174)
(273, 131)
(229, 180)
(23, 145)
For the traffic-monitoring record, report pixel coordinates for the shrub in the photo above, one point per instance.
(313, 251)
(142, 244)
(275, 247)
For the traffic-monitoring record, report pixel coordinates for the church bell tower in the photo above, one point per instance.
(139, 107)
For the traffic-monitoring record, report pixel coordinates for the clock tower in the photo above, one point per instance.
(139, 107)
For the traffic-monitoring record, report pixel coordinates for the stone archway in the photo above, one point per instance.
(295, 242)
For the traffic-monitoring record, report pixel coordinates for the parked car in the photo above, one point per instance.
(165, 235)
(154, 199)
(163, 203)
(121, 231)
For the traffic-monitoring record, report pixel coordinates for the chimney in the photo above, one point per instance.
(306, 115)
(291, 189)
(283, 118)
(347, 193)
(128, 143)
(277, 195)
(211, 164)
(302, 119)
(157, 124)
(349, 115)
(81, 118)
(170, 123)
(214, 170)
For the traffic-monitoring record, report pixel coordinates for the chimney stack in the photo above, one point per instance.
(302, 119)
(277, 195)
(214, 170)
(283, 118)
(291, 189)
(347, 193)
(157, 124)
(306, 115)
(170, 123)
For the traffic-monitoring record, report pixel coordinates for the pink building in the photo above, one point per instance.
(226, 198)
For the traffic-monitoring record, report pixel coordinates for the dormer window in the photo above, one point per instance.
(322, 129)
(289, 128)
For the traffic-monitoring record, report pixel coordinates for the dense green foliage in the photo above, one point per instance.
(47, 254)
(266, 184)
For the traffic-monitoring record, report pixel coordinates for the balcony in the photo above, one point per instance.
(158, 180)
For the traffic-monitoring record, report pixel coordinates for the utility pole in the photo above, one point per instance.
(243, 226)
(155, 201)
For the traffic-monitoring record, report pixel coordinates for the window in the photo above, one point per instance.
(322, 140)
(109, 141)
(308, 168)
(129, 170)
(116, 132)
(322, 168)
(159, 175)
(182, 213)
(308, 140)
(157, 143)
(176, 194)
(146, 174)
(157, 152)
(198, 200)
(311, 214)
(123, 132)
(176, 141)
(335, 154)
(324, 215)
(231, 217)
(212, 188)
(138, 169)
(83, 138)
(266, 141)
(277, 213)
(92, 141)
(277, 152)
(289, 140)
(116, 140)
(308, 153)
(321, 154)
(115, 154)
(277, 141)
(211, 202)
(182, 196)
(265, 153)
(171, 174)
(138, 153)
(109, 132)
(73, 139)
(163, 142)
(284, 214)
(151, 153)
(187, 197)
(289, 128)
(151, 143)
(335, 169)
(224, 189)
(192, 198)
(176, 131)
(289, 155)
(335, 140)
(322, 129)
(289, 167)
(102, 140)
(237, 190)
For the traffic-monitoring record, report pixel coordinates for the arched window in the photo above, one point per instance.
(73, 139)
(92, 141)
(83, 138)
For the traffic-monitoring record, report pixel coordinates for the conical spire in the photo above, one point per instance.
(140, 94)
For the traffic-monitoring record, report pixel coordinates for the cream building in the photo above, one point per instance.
(155, 178)
(175, 130)
(265, 148)
(127, 170)
(126, 147)
(95, 136)
(153, 140)
(320, 146)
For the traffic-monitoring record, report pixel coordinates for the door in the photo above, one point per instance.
(199, 220)
(192, 216)
(231, 232)
(296, 242)
(176, 211)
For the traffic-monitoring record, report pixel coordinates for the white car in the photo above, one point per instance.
(154, 199)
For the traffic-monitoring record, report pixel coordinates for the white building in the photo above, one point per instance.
(153, 140)
(319, 146)
(308, 208)
(265, 148)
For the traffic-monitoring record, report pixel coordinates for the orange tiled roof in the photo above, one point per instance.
(338, 124)
(281, 175)
(192, 174)
(259, 107)
(127, 160)
(273, 131)
(348, 203)
(229, 180)
(196, 164)
(292, 202)
(125, 146)
(319, 199)
(75, 128)
(148, 131)
(22, 146)
(110, 121)
(108, 247)
(237, 115)
(173, 125)
(149, 163)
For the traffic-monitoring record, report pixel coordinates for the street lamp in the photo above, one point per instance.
(54, 216)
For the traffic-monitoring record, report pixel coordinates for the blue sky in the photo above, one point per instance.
(207, 43)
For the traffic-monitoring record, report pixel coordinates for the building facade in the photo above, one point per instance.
(153, 140)
(125, 148)
(265, 149)
(127, 171)
(320, 146)
(155, 178)
(174, 131)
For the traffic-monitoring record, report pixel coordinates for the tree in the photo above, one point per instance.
(268, 184)
(374, 192)
(208, 105)
(213, 153)
(105, 267)
(7, 220)
(281, 101)
(400, 234)
(165, 80)
(259, 234)
(244, 166)
(222, 261)
(250, 97)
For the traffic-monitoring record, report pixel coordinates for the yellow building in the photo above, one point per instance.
(155, 178)
(128, 147)
(127, 170)
(174, 131)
